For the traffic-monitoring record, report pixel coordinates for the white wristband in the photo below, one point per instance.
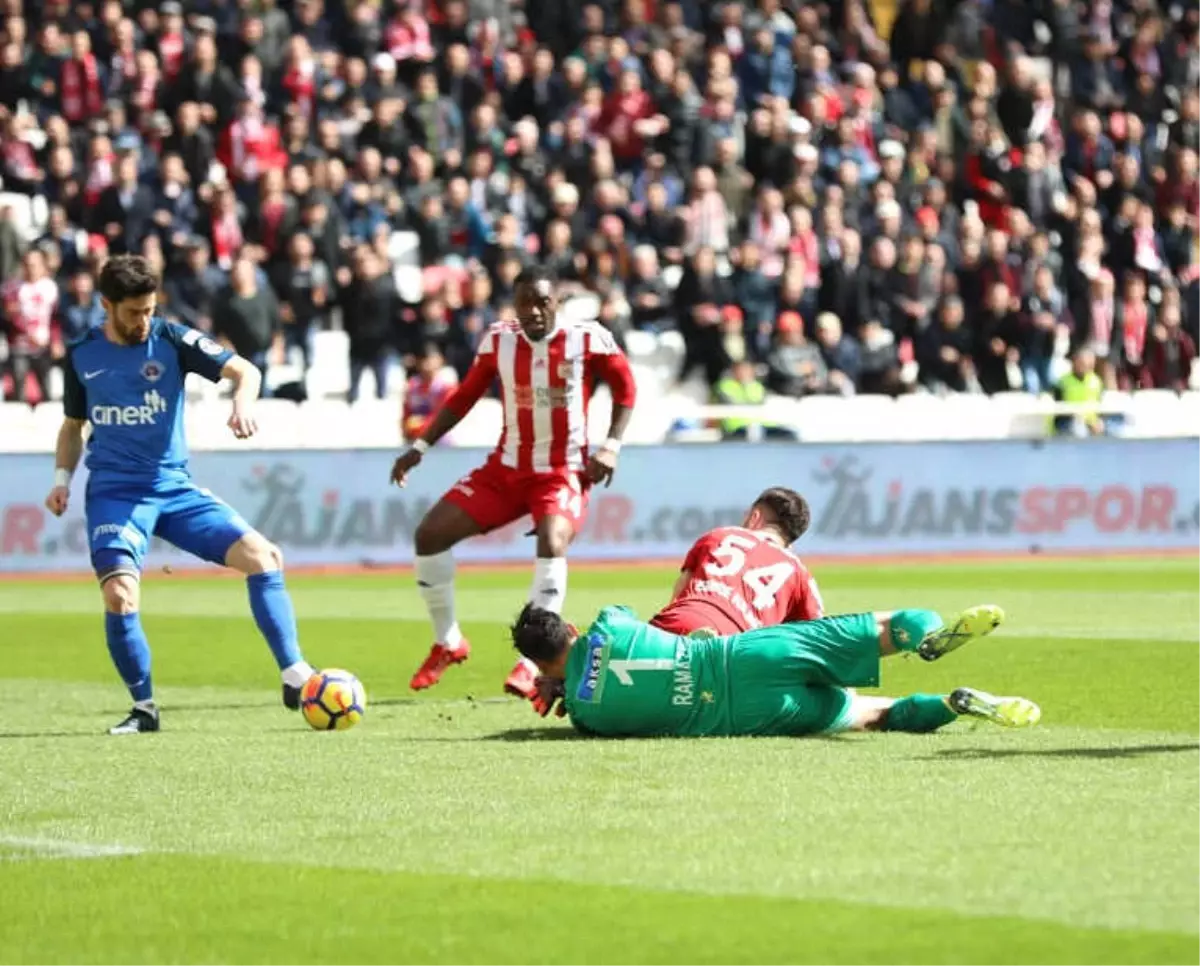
(62, 477)
(612, 445)
(419, 445)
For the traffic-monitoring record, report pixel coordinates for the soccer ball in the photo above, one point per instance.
(333, 700)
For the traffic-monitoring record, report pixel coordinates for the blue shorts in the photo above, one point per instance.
(122, 519)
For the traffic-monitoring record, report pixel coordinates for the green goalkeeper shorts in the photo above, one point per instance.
(792, 679)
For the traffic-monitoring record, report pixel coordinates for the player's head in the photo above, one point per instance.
(543, 637)
(782, 510)
(129, 288)
(535, 301)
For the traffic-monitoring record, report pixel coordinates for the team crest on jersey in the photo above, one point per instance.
(566, 370)
(152, 370)
(208, 347)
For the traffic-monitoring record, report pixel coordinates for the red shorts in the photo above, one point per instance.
(495, 495)
(686, 617)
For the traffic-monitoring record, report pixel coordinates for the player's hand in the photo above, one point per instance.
(405, 463)
(58, 499)
(601, 466)
(548, 697)
(242, 423)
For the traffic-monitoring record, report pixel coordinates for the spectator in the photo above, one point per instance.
(372, 318)
(1133, 320)
(125, 213)
(756, 295)
(30, 303)
(1170, 351)
(1047, 330)
(649, 300)
(699, 301)
(879, 372)
(246, 316)
(10, 245)
(795, 367)
(841, 354)
(428, 388)
(1081, 386)
(79, 309)
(304, 288)
(705, 216)
(434, 121)
(741, 387)
(193, 288)
(997, 341)
(945, 351)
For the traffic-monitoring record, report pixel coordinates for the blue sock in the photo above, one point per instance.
(272, 609)
(130, 653)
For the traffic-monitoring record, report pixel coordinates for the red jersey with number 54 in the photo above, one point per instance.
(739, 581)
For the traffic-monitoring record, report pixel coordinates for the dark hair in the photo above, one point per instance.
(788, 511)
(532, 274)
(127, 277)
(540, 635)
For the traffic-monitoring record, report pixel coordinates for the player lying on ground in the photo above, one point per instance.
(125, 380)
(541, 467)
(624, 678)
(737, 579)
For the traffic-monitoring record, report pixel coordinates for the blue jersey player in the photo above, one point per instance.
(125, 379)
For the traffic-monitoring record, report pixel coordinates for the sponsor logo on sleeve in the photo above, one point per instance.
(591, 684)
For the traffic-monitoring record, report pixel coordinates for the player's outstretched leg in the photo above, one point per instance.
(925, 633)
(923, 713)
(548, 592)
(1012, 712)
(445, 525)
(128, 647)
(261, 561)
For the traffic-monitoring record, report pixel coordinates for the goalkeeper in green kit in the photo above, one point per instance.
(624, 678)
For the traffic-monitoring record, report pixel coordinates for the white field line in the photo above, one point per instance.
(48, 848)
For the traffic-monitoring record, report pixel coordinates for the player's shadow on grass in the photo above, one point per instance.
(536, 734)
(1124, 751)
(11, 735)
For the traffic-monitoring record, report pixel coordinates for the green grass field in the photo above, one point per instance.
(459, 827)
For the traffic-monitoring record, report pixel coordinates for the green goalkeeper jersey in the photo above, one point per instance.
(624, 677)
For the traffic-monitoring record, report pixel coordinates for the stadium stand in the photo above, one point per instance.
(852, 221)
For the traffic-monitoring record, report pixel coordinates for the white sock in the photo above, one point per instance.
(549, 590)
(435, 581)
(294, 675)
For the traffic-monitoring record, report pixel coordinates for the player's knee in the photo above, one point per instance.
(554, 537)
(255, 554)
(431, 537)
(121, 593)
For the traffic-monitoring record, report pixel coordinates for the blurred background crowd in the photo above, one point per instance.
(847, 196)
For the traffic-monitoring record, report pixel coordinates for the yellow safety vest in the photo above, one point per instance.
(739, 394)
(1089, 389)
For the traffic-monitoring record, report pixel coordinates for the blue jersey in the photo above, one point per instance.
(133, 397)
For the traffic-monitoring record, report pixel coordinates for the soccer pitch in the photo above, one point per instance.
(458, 827)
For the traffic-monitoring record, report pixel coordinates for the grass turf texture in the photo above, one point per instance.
(458, 827)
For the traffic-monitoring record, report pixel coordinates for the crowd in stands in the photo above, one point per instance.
(978, 196)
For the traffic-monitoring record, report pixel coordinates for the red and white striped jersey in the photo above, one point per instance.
(30, 307)
(545, 388)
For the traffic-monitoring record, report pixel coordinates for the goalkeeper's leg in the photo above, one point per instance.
(922, 713)
(924, 632)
